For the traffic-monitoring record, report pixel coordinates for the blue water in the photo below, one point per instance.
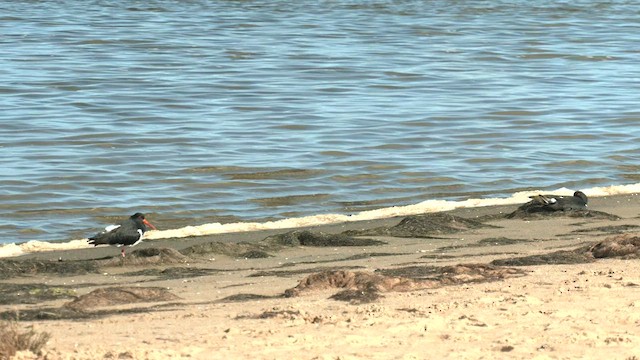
(201, 111)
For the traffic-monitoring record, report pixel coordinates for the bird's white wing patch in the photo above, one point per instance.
(111, 228)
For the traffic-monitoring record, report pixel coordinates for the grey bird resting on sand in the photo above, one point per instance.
(127, 233)
(562, 203)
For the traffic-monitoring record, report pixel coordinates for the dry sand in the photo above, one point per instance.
(467, 284)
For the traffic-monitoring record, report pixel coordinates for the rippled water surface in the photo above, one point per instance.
(200, 111)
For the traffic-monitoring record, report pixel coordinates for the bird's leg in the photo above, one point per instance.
(122, 251)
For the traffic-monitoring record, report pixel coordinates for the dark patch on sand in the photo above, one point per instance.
(369, 256)
(118, 296)
(235, 250)
(424, 226)
(349, 280)
(148, 256)
(277, 242)
(287, 315)
(65, 313)
(33, 293)
(499, 241)
(562, 257)
(624, 246)
(88, 306)
(289, 273)
(43, 314)
(319, 239)
(357, 297)
(348, 258)
(173, 272)
(443, 257)
(247, 297)
(438, 256)
(255, 254)
(273, 314)
(612, 229)
(534, 210)
(455, 274)
(360, 286)
(29, 267)
(490, 217)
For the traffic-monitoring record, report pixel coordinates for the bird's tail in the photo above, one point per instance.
(97, 240)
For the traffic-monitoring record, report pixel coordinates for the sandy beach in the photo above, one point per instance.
(473, 283)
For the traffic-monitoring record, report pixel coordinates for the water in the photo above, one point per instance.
(236, 111)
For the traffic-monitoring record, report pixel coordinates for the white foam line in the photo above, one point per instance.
(324, 219)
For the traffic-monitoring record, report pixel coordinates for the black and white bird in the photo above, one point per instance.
(562, 203)
(127, 233)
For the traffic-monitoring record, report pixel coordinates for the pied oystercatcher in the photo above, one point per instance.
(562, 203)
(127, 233)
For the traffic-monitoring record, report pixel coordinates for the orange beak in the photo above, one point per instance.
(149, 224)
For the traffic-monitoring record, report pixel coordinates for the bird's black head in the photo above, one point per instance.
(581, 195)
(137, 216)
(142, 222)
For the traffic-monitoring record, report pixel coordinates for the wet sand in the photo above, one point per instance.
(466, 284)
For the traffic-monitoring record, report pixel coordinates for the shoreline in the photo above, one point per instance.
(428, 206)
(467, 283)
(86, 252)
